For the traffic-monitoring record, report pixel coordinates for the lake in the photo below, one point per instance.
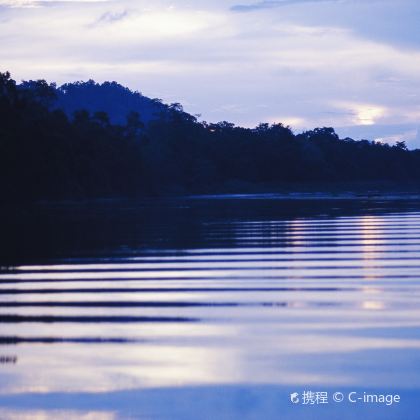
(211, 308)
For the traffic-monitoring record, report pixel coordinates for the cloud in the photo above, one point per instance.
(390, 21)
(386, 133)
(44, 3)
(326, 63)
(273, 4)
(363, 114)
(111, 17)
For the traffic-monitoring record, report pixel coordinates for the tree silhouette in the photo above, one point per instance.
(48, 153)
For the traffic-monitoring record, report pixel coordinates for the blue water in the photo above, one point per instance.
(205, 311)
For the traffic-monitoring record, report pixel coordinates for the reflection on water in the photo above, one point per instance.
(125, 300)
(56, 415)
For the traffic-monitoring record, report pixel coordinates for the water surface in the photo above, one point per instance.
(209, 308)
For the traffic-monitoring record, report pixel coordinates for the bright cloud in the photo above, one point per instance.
(363, 114)
(42, 3)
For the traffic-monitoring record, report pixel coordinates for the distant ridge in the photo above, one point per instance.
(89, 140)
(110, 97)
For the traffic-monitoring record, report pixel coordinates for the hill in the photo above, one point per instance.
(47, 152)
(112, 98)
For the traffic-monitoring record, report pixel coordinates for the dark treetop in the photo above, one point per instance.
(86, 140)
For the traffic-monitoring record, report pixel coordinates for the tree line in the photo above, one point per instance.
(45, 153)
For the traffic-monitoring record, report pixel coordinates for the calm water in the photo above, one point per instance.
(210, 308)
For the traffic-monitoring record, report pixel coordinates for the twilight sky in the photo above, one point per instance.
(350, 64)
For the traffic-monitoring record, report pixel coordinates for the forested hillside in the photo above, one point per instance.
(74, 152)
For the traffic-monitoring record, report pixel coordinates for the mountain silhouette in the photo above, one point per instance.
(112, 98)
(86, 140)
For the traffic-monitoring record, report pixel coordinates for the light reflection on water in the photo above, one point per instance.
(56, 415)
(294, 302)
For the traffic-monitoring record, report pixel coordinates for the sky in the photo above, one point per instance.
(350, 64)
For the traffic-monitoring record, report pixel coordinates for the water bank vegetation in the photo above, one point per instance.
(55, 144)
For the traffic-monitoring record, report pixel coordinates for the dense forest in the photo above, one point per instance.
(59, 143)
